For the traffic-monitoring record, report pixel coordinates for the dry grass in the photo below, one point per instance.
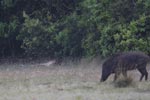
(69, 81)
(124, 82)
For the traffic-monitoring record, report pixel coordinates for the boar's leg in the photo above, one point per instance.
(146, 75)
(117, 73)
(143, 72)
(124, 73)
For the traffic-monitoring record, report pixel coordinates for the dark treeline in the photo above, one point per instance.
(73, 28)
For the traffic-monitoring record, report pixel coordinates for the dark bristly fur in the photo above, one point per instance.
(122, 62)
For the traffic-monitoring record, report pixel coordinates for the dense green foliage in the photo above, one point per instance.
(73, 28)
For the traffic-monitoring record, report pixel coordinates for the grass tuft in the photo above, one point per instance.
(123, 82)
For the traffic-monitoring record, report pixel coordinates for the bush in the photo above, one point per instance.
(74, 28)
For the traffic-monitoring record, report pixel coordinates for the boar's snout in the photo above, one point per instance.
(104, 77)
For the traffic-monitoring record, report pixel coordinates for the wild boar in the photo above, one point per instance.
(122, 62)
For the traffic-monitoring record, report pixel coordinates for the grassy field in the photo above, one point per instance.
(69, 81)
